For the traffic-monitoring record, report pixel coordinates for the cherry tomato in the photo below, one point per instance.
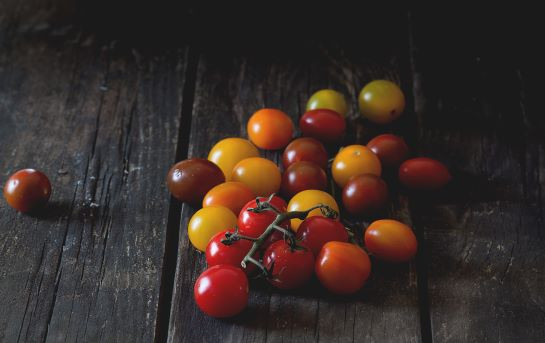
(221, 291)
(328, 99)
(233, 195)
(316, 231)
(253, 224)
(301, 176)
(232, 254)
(365, 194)
(390, 240)
(261, 175)
(270, 129)
(325, 125)
(390, 149)
(208, 221)
(190, 180)
(304, 200)
(27, 189)
(381, 101)
(342, 268)
(305, 149)
(229, 151)
(354, 160)
(290, 268)
(424, 174)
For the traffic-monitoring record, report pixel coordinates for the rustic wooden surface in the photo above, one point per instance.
(109, 259)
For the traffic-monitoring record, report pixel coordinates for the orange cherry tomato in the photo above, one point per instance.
(342, 268)
(354, 160)
(304, 200)
(259, 174)
(233, 195)
(390, 240)
(229, 151)
(270, 129)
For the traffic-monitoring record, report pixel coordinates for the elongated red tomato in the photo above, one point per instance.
(391, 240)
(423, 173)
(289, 268)
(316, 231)
(342, 268)
(390, 149)
(325, 125)
(221, 291)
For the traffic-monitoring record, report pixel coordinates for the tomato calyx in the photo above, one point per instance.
(281, 217)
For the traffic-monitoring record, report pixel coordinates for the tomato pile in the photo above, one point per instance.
(282, 224)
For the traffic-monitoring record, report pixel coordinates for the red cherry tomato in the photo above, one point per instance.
(390, 240)
(305, 149)
(424, 173)
(325, 125)
(316, 231)
(289, 268)
(342, 268)
(232, 254)
(221, 291)
(27, 189)
(365, 194)
(301, 176)
(254, 224)
(190, 180)
(390, 149)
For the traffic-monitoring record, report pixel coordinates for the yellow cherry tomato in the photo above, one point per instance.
(261, 175)
(229, 151)
(207, 222)
(233, 195)
(354, 160)
(329, 99)
(381, 101)
(304, 200)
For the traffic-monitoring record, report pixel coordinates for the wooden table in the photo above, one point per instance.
(109, 259)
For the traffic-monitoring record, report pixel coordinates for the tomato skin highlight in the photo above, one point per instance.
(221, 291)
(301, 176)
(270, 129)
(233, 195)
(254, 224)
(354, 160)
(290, 269)
(365, 194)
(390, 149)
(324, 125)
(316, 231)
(305, 149)
(391, 240)
(191, 179)
(27, 189)
(261, 175)
(342, 268)
(232, 254)
(424, 173)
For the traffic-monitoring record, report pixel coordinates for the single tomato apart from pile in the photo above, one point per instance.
(27, 189)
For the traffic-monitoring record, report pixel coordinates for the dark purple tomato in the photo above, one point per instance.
(27, 189)
(423, 173)
(190, 180)
(325, 125)
(305, 149)
(316, 231)
(390, 149)
(301, 176)
(365, 194)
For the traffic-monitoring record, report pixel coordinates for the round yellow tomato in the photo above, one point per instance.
(233, 195)
(304, 200)
(381, 101)
(328, 99)
(354, 160)
(229, 151)
(207, 222)
(261, 175)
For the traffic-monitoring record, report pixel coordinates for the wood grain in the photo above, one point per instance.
(102, 122)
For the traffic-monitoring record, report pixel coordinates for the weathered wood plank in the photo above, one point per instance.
(228, 90)
(485, 234)
(102, 122)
